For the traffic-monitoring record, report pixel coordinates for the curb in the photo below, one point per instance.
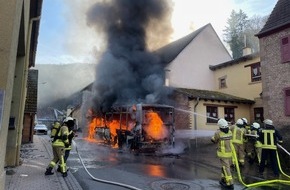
(67, 183)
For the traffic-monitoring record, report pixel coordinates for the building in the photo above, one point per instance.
(274, 39)
(19, 23)
(188, 59)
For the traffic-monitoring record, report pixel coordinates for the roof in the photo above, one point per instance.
(169, 52)
(213, 96)
(235, 61)
(278, 19)
(35, 11)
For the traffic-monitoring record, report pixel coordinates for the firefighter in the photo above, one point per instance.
(58, 146)
(269, 138)
(248, 144)
(223, 138)
(238, 132)
(69, 122)
(255, 130)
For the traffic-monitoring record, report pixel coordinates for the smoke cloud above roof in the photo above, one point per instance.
(128, 72)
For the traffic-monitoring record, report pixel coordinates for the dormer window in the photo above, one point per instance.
(256, 72)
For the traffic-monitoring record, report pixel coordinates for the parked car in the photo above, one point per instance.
(40, 129)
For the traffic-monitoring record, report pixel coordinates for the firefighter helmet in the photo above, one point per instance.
(222, 123)
(268, 122)
(68, 119)
(256, 125)
(239, 122)
(245, 121)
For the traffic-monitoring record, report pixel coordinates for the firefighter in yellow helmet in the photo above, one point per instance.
(58, 147)
(223, 138)
(238, 132)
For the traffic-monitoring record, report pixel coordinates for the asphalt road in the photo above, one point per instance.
(190, 165)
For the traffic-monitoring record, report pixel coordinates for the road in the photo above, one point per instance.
(190, 165)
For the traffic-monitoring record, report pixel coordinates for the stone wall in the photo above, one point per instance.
(275, 77)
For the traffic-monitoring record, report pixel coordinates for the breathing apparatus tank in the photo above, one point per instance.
(54, 129)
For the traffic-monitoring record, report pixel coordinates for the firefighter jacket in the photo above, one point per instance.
(269, 137)
(238, 134)
(71, 135)
(223, 141)
(256, 140)
(62, 137)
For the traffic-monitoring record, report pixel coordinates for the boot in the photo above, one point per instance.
(49, 171)
(64, 174)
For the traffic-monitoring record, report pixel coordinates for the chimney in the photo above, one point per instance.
(246, 50)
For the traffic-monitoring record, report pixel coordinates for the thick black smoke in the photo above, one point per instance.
(127, 72)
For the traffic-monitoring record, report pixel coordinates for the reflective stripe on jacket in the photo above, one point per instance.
(238, 135)
(62, 137)
(268, 137)
(224, 141)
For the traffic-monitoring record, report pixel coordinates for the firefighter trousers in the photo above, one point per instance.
(58, 156)
(226, 174)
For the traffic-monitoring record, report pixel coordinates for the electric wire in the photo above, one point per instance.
(102, 180)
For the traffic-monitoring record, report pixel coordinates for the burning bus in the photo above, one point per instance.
(141, 127)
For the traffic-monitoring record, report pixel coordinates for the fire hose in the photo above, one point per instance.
(261, 182)
(102, 180)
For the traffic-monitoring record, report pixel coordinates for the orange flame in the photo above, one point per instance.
(155, 128)
(115, 124)
(96, 122)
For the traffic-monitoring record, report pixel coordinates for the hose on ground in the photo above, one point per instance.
(266, 182)
(102, 180)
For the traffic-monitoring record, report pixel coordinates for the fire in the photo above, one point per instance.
(96, 122)
(155, 128)
(113, 125)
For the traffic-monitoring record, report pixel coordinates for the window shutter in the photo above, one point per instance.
(285, 49)
(287, 102)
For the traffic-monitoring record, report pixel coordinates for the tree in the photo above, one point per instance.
(234, 32)
(253, 27)
(240, 32)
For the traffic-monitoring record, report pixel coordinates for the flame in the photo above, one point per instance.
(115, 124)
(96, 122)
(154, 127)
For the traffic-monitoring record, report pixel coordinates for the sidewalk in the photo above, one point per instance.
(30, 174)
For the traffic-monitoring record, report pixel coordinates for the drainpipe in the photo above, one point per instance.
(24, 84)
(195, 119)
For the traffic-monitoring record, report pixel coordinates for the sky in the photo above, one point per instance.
(65, 37)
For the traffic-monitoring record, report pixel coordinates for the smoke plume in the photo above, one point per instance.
(128, 72)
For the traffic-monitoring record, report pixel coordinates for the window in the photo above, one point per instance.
(222, 82)
(285, 49)
(212, 114)
(230, 115)
(256, 72)
(259, 115)
(287, 101)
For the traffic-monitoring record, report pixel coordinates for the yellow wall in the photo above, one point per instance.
(242, 111)
(238, 80)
